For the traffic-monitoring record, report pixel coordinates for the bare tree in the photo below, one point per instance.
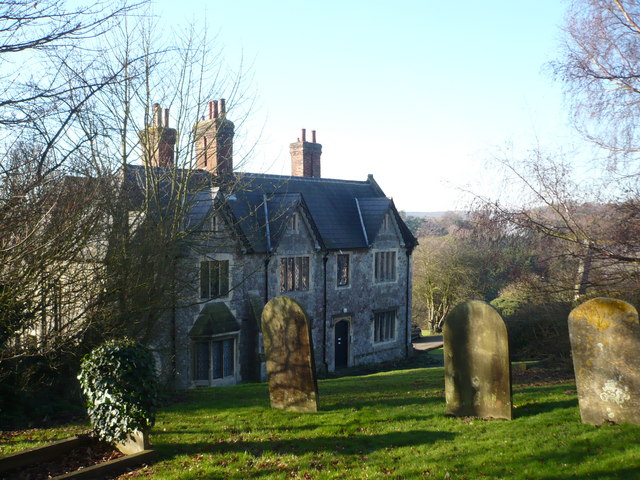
(601, 72)
(586, 229)
(31, 31)
(479, 256)
(165, 90)
(80, 258)
(45, 214)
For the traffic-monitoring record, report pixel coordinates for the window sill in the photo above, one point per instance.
(385, 343)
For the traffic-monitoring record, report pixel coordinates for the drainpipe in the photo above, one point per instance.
(268, 239)
(266, 278)
(406, 307)
(325, 258)
(174, 368)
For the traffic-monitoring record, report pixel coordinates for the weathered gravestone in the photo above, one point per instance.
(605, 345)
(477, 370)
(288, 350)
(136, 442)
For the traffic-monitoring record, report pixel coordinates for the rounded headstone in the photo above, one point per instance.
(605, 345)
(288, 349)
(476, 362)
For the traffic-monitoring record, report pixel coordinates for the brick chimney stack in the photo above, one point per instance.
(214, 140)
(158, 140)
(305, 156)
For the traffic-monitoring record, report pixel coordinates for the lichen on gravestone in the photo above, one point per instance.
(605, 346)
(476, 362)
(288, 348)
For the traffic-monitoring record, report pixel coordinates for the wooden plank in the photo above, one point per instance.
(40, 454)
(117, 465)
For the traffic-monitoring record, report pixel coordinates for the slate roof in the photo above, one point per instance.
(214, 319)
(343, 214)
(331, 204)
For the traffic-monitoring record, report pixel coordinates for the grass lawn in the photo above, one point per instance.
(386, 425)
(437, 352)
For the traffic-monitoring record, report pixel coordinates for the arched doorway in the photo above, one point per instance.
(341, 336)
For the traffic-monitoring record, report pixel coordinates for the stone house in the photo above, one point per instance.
(338, 247)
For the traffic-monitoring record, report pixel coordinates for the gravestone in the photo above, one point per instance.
(476, 362)
(288, 349)
(136, 442)
(605, 345)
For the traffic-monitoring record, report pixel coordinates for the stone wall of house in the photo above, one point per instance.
(357, 301)
(362, 297)
(250, 277)
(246, 274)
(300, 243)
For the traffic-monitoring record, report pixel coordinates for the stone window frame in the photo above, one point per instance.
(380, 336)
(213, 223)
(294, 222)
(215, 258)
(210, 381)
(348, 283)
(385, 223)
(296, 284)
(385, 277)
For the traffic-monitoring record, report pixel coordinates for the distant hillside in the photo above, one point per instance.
(430, 214)
(429, 224)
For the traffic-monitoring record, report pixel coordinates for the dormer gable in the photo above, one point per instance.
(289, 216)
(377, 219)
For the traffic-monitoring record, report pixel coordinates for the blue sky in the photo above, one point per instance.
(418, 93)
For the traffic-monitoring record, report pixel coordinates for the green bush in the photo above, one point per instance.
(506, 306)
(119, 381)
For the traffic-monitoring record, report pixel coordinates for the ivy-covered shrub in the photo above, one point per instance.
(119, 381)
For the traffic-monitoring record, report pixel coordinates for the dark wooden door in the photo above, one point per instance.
(342, 344)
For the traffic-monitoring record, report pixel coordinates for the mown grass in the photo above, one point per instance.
(12, 441)
(386, 425)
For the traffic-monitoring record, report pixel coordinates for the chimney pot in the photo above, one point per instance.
(156, 115)
(158, 140)
(223, 107)
(305, 156)
(214, 141)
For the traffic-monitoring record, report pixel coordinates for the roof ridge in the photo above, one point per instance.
(255, 174)
(311, 179)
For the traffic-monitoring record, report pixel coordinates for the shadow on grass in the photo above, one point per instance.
(419, 359)
(354, 443)
(341, 426)
(333, 395)
(577, 452)
(532, 409)
(375, 401)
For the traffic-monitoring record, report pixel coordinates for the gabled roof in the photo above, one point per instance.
(166, 184)
(214, 319)
(372, 211)
(330, 203)
(260, 205)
